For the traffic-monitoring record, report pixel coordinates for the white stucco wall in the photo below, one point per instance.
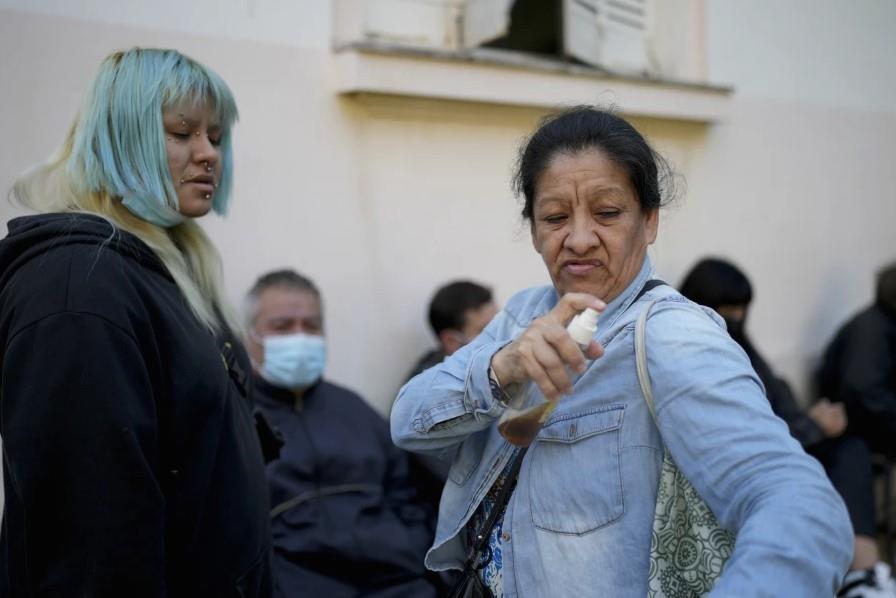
(795, 185)
(382, 200)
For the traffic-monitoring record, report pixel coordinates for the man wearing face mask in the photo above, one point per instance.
(343, 519)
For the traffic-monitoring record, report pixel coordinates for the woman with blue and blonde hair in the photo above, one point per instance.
(131, 466)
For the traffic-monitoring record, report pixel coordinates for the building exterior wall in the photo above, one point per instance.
(381, 199)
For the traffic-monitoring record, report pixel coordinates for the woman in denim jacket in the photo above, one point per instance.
(579, 520)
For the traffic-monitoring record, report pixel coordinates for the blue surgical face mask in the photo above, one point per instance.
(293, 361)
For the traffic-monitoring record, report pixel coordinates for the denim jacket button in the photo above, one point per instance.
(505, 537)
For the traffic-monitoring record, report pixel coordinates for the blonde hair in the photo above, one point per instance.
(111, 152)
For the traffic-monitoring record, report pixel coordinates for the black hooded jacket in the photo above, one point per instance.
(131, 464)
(859, 369)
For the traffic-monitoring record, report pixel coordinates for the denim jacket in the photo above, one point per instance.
(579, 521)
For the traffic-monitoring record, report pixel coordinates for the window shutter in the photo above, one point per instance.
(485, 20)
(607, 33)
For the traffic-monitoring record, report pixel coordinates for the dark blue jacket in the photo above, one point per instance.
(131, 464)
(344, 521)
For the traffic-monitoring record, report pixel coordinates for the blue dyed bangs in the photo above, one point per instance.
(119, 144)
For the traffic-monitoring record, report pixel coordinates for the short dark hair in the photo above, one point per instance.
(713, 282)
(285, 278)
(583, 128)
(885, 293)
(452, 301)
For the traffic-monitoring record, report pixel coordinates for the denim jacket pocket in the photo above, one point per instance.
(575, 480)
(467, 459)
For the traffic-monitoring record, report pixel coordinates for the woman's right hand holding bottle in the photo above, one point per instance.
(545, 352)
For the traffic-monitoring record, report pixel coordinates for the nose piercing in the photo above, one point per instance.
(208, 195)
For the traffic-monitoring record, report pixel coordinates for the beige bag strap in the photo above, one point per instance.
(641, 359)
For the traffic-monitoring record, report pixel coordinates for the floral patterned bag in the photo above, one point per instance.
(688, 547)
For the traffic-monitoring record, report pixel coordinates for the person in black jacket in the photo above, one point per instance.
(344, 520)
(131, 463)
(859, 368)
(720, 285)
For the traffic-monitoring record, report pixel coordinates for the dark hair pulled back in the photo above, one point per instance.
(583, 128)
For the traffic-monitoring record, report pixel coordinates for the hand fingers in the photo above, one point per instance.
(820, 409)
(551, 370)
(536, 357)
(566, 348)
(841, 420)
(572, 303)
(545, 349)
(555, 356)
(595, 350)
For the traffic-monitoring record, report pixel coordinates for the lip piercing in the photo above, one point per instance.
(181, 181)
(208, 195)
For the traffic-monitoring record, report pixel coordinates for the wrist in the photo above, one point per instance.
(497, 391)
(503, 371)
